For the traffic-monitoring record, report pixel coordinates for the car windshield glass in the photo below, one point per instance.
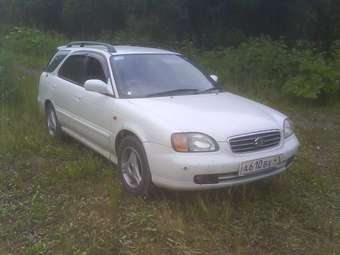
(152, 75)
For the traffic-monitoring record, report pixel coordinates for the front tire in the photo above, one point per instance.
(134, 168)
(52, 123)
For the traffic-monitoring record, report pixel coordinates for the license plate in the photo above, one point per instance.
(257, 165)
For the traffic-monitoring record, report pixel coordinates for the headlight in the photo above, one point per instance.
(193, 142)
(287, 128)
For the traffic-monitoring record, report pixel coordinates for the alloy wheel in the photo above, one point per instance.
(131, 167)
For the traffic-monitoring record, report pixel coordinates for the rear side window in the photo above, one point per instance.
(73, 69)
(56, 60)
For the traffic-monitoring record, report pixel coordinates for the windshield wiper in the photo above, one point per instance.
(172, 92)
(209, 90)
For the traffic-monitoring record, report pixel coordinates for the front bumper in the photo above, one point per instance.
(194, 171)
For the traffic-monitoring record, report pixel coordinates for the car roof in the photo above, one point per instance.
(126, 49)
(119, 49)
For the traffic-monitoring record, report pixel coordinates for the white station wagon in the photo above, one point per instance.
(161, 119)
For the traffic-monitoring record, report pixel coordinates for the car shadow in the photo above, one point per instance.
(234, 194)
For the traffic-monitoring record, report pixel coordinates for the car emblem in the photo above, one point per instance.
(258, 141)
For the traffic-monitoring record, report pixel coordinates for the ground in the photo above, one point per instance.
(58, 197)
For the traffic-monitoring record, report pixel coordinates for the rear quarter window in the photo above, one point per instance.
(56, 60)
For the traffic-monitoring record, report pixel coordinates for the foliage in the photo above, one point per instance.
(312, 76)
(269, 62)
(9, 88)
(262, 64)
(32, 41)
(80, 17)
(206, 23)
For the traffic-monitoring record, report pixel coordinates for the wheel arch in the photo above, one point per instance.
(121, 135)
(47, 103)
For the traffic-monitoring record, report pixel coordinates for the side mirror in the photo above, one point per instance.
(214, 77)
(98, 86)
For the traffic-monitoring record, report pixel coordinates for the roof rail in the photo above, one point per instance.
(108, 46)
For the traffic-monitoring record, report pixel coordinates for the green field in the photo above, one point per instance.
(58, 197)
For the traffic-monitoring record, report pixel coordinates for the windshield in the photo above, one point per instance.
(151, 75)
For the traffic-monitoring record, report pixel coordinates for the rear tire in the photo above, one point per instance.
(53, 126)
(134, 167)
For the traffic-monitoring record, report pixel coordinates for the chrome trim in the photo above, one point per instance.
(253, 142)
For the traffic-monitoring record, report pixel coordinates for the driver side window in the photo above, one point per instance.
(94, 70)
(73, 69)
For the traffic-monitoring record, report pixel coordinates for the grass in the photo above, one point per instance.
(58, 197)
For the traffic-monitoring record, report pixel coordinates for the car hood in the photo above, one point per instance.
(219, 115)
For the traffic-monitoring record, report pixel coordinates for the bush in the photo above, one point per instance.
(256, 64)
(32, 42)
(261, 64)
(312, 76)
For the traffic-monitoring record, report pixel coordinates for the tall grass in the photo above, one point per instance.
(9, 90)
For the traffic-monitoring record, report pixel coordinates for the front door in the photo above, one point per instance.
(97, 110)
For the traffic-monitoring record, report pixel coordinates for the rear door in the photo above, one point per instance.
(47, 82)
(69, 90)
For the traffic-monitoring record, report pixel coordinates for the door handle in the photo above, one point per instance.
(78, 97)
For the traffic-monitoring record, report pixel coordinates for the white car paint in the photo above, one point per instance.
(96, 119)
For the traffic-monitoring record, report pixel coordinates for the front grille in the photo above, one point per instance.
(255, 142)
